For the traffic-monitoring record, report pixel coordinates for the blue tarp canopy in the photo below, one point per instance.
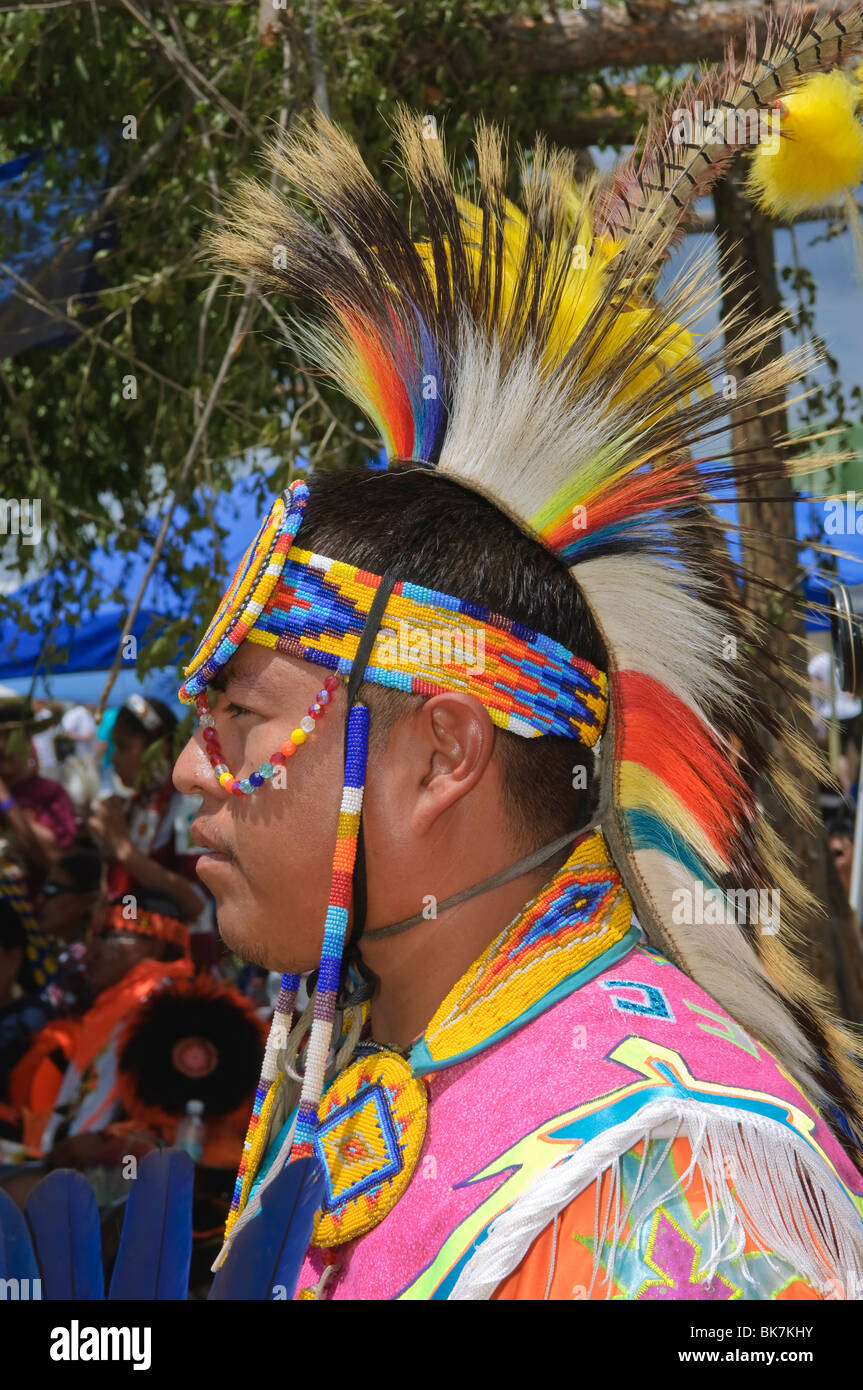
(88, 647)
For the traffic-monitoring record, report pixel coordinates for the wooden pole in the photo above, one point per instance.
(747, 237)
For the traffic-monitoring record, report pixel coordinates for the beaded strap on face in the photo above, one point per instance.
(245, 786)
(310, 606)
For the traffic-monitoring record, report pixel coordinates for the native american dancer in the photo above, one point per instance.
(558, 1044)
(633, 1089)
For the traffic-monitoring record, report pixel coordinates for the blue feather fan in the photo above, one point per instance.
(267, 1254)
(64, 1219)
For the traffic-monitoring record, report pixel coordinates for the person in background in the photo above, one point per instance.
(107, 776)
(65, 1084)
(70, 896)
(151, 865)
(79, 725)
(48, 763)
(21, 1014)
(78, 738)
(845, 708)
(840, 837)
(37, 819)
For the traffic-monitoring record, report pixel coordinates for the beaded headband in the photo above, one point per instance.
(309, 606)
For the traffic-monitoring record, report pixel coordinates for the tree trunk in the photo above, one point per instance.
(747, 237)
(625, 36)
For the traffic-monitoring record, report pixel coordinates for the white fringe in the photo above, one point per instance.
(772, 1167)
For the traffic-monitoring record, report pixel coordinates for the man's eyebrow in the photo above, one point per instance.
(237, 676)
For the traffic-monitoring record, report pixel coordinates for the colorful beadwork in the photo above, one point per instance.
(320, 1036)
(335, 927)
(246, 786)
(249, 589)
(577, 917)
(372, 1123)
(309, 606)
(265, 1094)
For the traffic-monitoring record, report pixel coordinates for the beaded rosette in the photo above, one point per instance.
(371, 1127)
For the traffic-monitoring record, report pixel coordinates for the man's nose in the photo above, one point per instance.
(193, 773)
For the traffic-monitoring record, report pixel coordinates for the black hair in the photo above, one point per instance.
(841, 826)
(446, 537)
(13, 935)
(84, 867)
(129, 721)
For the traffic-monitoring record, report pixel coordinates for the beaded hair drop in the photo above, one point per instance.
(335, 930)
(280, 1027)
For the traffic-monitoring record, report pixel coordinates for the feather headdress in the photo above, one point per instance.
(523, 353)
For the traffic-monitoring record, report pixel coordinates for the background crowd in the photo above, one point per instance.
(837, 721)
(124, 1024)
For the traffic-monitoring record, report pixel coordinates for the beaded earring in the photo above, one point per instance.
(245, 786)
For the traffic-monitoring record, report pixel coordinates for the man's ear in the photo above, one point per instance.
(456, 736)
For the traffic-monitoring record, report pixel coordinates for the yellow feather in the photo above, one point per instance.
(820, 153)
(583, 290)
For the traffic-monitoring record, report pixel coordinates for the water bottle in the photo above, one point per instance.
(190, 1131)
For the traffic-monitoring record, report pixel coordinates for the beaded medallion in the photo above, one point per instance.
(371, 1129)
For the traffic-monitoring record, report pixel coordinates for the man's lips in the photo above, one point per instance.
(216, 851)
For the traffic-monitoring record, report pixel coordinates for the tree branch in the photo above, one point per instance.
(75, 238)
(316, 66)
(646, 31)
(250, 298)
(179, 486)
(29, 294)
(191, 74)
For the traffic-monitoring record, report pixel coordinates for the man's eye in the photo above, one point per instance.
(236, 710)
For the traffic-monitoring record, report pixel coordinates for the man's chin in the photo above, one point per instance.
(234, 931)
(242, 943)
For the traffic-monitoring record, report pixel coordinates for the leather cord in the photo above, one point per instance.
(513, 871)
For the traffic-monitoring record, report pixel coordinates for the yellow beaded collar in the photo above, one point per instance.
(578, 924)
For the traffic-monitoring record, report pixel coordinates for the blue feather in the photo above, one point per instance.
(156, 1245)
(268, 1253)
(64, 1219)
(17, 1257)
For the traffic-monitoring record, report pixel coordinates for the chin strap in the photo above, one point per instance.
(513, 871)
(349, 993)
(352, 960)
